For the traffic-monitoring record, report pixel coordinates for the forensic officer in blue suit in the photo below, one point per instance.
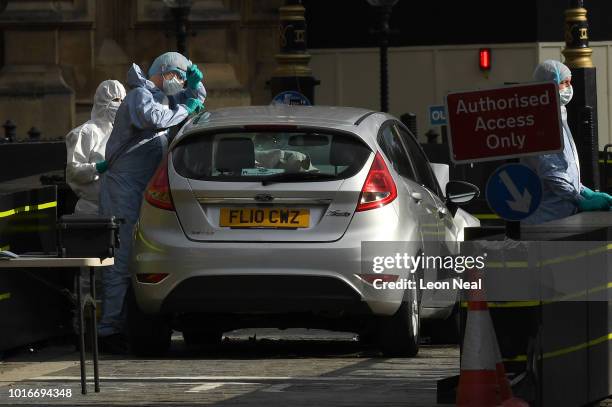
(562, 194)
(134, 150)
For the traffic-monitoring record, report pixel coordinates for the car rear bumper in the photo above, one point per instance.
(230, 277)
(263, 294)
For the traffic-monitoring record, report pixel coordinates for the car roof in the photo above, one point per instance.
(275, 114)
(361, 122)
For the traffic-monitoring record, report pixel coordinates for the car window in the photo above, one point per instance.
(425, 175)
(252, 156)
(392, 147)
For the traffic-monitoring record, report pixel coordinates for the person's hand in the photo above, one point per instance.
(597, 203)
(590, 194)
(194, 77)
(605, 196)
(587, 192)
(194, 105)
(101, 167)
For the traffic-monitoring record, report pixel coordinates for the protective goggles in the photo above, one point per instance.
(176, 70)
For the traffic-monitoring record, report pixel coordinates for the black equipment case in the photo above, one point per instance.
(88, 236)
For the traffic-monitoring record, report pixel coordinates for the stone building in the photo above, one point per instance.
(53, 53)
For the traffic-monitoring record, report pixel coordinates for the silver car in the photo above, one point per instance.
(257, 218)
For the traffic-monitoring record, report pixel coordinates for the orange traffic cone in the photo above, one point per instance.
(478, 382)
(483, 381)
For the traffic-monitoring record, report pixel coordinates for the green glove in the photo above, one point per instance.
(597, 203)
(590, 194)
(587, 193)
(101, 167)
(194, 105)
(194, 77)
(605, 196)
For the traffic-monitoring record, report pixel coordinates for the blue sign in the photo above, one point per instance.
(514, 191)
(291, 98)
(437, 115)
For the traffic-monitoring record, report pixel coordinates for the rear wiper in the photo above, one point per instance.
(296, 176)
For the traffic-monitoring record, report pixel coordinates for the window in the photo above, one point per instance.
(252, 156)
(393, 148)
(425, 175)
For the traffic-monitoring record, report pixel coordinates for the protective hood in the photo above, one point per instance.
(170, 61)
(137, 79)
(551, 70)
(103, 111)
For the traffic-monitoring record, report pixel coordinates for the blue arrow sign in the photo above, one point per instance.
(514, 191)
(291, 97)
(437, 115)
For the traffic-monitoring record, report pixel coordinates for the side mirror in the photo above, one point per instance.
(461, 192)
(441, 172)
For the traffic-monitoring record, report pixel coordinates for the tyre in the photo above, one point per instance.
(446, 331)
(368, 337)
(193, 337)
(148, 335)
(400, 334)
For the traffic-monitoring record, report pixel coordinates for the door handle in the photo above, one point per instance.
(416, 196)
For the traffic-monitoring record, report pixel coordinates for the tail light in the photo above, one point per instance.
(150, 278)
(379, 188)
(158, 190)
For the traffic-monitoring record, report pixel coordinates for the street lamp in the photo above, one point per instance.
(582, 112)
(385, 7)
(180, 10)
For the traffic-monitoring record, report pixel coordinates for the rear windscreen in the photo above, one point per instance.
(252, 156)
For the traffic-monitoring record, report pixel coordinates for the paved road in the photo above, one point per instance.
(292, 368)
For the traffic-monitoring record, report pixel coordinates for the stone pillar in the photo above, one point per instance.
(34, 90)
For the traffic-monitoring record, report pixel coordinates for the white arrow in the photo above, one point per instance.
(522, 201)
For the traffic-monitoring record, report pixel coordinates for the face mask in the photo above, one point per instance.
(565, 95)
(172, 86)
(111, 110)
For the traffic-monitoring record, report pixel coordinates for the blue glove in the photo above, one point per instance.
(597, 203)
(101, 167)
(194, 77)
(194, 105)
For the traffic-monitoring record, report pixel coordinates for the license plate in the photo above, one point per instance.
(264, 218)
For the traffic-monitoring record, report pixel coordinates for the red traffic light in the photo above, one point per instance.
(484, 60)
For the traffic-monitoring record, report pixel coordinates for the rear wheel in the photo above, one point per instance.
(399, 334)
(368, 337)
(194, 337)
(148, 335)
